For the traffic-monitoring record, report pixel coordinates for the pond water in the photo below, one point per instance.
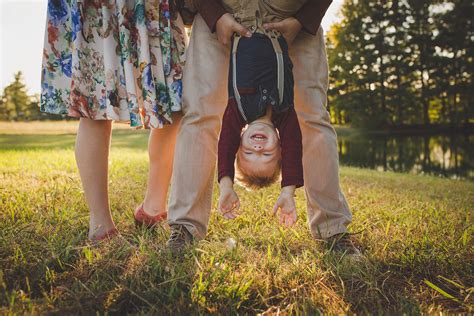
(446, 155)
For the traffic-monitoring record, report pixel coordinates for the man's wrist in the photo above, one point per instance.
(222, 21)
(296, 22)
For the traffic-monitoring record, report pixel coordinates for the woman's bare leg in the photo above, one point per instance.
(92, 158)
(161, 154)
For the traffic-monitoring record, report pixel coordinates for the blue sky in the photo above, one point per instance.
(22, 24)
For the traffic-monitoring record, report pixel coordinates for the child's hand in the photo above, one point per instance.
(229, 202)
(287, 206)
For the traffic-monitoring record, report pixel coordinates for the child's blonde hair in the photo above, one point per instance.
(255, 181)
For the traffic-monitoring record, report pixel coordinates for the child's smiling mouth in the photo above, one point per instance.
(259, 137)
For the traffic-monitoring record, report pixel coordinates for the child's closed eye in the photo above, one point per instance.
(264, 154)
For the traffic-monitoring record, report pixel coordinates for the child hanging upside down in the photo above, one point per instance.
(260, 131)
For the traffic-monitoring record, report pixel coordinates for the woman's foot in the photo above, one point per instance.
(142, 218)
(111, 233)
(101, 226)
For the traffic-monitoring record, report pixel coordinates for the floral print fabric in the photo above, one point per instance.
(118, 60)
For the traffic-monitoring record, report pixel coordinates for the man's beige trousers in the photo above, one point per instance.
(205, 99)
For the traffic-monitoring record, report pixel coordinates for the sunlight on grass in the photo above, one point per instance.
(416, 233)
(45, 127)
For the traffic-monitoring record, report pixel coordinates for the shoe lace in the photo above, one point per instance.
(345, 241)
(342, 241)
(177, 234)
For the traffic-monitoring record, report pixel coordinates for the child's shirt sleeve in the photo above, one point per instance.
(291, 148)
(229, 140)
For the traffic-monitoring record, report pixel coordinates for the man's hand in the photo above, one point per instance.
(289, 28)
(228, 200)
(287, 206)
(226, 26)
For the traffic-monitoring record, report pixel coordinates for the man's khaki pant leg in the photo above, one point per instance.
(204, 102)
(328, 212)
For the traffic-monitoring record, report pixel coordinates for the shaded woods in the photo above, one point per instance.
(402, 63)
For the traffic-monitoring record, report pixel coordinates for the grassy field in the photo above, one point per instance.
(416, 233)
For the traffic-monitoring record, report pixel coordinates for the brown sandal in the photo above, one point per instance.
(148, 221)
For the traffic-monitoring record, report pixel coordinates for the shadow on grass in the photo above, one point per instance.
(133, 139)
(372, 286)
(129, 274)
(136, 274)
(368, 289)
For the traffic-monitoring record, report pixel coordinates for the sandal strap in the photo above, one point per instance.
(142, 217)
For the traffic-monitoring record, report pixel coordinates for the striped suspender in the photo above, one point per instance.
(281, 69)
(234, 75)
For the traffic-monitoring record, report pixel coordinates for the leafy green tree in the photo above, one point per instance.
(420, 39)
(16, 104)
(454, 62)
(402, 62)
(357, 56)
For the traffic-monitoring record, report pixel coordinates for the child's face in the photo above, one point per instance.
(259, 151)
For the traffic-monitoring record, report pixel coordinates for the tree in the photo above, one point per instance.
(402, 62)
(454, 62)
(16, 104)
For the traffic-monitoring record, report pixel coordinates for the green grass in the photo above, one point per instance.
(416, 233)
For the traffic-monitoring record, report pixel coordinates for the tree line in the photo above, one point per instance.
(17, 105)
(402, 63)
(393, 63)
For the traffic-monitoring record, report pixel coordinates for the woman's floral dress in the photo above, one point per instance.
(118, 60)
